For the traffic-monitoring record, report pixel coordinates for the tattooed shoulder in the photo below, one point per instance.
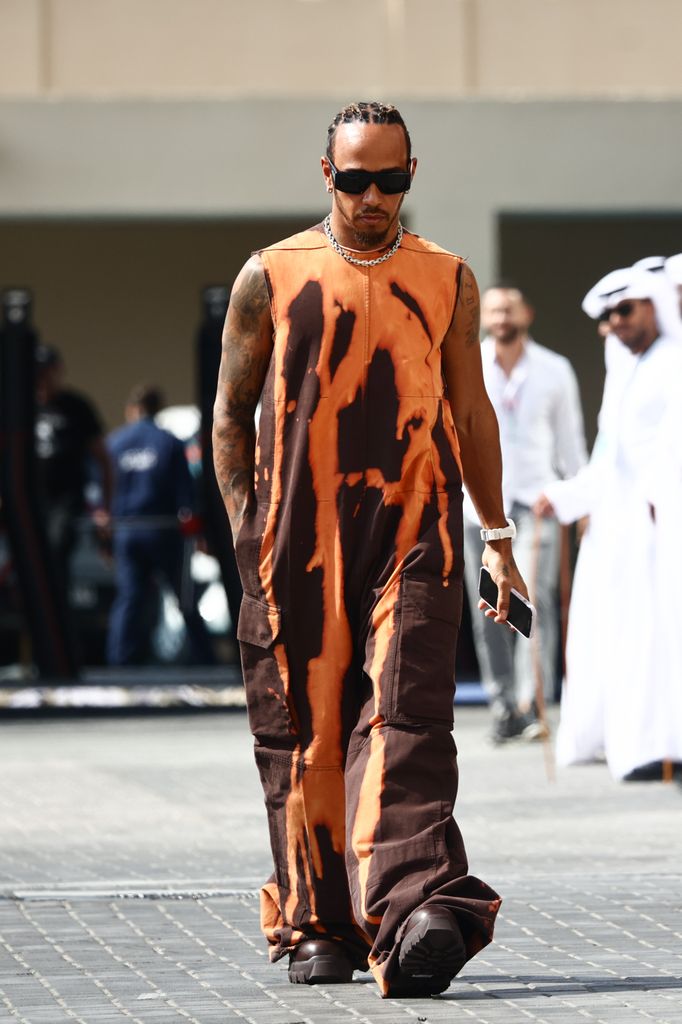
(247, 339)
(467, 311)
(250, 298)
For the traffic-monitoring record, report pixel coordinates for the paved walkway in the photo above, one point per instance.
(131, 849)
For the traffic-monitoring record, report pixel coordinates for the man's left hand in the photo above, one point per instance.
(543, 507)
(101, 517)
(499, 560)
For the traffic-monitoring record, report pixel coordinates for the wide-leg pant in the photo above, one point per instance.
(351, 707)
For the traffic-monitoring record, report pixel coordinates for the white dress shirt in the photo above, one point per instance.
(540, 419)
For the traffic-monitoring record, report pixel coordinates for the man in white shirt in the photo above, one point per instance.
(535, 395)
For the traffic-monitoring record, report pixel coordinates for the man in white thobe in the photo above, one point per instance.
(623, 693)
(535, 396)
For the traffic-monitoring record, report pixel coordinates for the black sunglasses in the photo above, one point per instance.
(623, 309)
(357, 182)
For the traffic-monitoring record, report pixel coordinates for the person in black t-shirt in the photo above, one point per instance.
(68, 432)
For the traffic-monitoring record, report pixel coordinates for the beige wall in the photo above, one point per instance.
(257, 158)
(109, 183)
(303, 48)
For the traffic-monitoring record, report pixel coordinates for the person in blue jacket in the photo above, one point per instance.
(152, 498)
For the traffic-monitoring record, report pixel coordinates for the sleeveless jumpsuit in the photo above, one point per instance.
(351, 561)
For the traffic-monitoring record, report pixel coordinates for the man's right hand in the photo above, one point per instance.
(236, 518)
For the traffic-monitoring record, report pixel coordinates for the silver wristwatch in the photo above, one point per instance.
(500, 533)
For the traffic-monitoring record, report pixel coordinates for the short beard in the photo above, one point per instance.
(370, 237)
(511, 336)
(636, 343)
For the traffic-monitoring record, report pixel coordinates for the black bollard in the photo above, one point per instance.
(215, 301)
(42, 597)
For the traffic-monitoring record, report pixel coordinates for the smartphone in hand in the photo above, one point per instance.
(521, 615)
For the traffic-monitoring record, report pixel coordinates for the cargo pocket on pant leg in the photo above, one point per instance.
(264, 666)
(424, 674)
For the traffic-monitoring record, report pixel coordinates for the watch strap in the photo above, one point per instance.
(500, 532)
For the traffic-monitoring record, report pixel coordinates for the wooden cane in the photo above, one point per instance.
(535, 651)
(565, 582)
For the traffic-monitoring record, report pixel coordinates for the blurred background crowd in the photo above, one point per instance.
(147, 146)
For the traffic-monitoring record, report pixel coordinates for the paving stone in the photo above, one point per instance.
(132, 849)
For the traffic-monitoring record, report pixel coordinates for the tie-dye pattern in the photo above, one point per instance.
(352, 569)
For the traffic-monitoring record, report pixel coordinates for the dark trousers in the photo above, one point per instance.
(61, 516)
(142, 557)
(350, 685)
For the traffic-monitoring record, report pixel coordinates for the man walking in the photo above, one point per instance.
(346, 513)
(535, 395)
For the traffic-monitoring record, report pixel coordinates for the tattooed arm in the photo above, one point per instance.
(247, 346)
(478, 435)
(472, 411)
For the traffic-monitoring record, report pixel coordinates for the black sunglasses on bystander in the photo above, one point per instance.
(623, 309)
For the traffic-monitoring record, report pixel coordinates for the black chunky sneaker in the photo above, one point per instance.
(319, 962)
(432, 952)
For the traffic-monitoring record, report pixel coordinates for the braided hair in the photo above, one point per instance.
(369, 113)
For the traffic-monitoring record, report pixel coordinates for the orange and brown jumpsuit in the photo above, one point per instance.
(352, 570)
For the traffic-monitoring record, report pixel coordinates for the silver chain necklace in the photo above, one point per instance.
(337, 247)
